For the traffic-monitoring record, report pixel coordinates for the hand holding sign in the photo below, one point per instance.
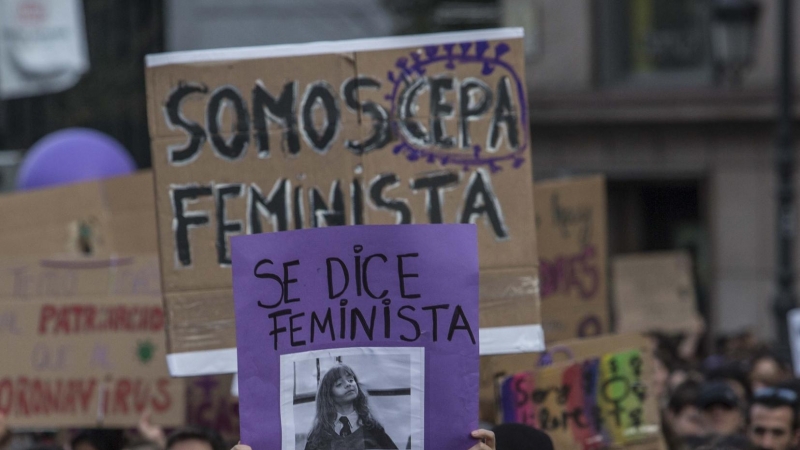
(487, 440)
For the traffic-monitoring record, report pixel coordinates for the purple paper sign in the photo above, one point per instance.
(358, 337)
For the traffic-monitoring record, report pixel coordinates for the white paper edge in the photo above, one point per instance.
(493, 341)
(793, 319)
(328, 47)
(513, 339)
(206, 362)
(286, 401)
(235, 385)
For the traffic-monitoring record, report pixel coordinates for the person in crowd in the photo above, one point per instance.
(772, 421)
(733, 373)
(767, 369)
(683, 418)
(141, 444)
(722, 408)
(195, 438)
(665, 349)
(673, 356)
(516, 436)
(98, 439)
(343, 419)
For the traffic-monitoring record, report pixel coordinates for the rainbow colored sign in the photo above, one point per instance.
(590, 404)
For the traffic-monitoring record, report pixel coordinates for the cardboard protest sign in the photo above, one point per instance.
(80, 310)
(401, 130)
(573, 251)
(593, 402)
(370, 323)
(654, 292)
(101, 220)
(496, 367)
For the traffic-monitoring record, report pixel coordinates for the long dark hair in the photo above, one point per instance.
(326, 406)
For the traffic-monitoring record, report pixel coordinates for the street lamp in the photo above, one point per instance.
(733, 24)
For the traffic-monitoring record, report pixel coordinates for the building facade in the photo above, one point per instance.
(626, 88)
(629, 88)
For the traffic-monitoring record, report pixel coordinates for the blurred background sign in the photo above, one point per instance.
(42, 46)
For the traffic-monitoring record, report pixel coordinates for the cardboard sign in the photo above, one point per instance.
(573, 252)
(595, 403)
(592, 402)
(401, 130)
(368, 323)
(80, 310)
(100, 220)
(496, 367)
(654, 292)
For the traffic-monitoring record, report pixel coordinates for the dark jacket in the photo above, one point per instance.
(362, 439)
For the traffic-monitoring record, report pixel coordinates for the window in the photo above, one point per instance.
(429, 16)
(654, 42)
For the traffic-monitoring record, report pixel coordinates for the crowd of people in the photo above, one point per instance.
(147, 437)
(741, 395)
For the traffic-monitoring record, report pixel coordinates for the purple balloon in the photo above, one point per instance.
(73, 155)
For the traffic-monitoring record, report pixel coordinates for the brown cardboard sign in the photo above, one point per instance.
(598, 402)
(87, 362)
(102, 220)
(573, 251)
(80, 309)
(496, 367)
(587, 393)
(655, 292)
(419, 129)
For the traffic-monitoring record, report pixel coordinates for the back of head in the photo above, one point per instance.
(193, 432)
(718, 392)
(684, 395)
(100, 439)
(142, 444)
(779, 397)
(516, 436)
(731, 371)
(45, 447)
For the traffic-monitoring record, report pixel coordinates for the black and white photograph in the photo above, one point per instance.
(368, 398)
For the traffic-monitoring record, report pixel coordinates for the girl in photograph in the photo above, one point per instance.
(343, 420)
